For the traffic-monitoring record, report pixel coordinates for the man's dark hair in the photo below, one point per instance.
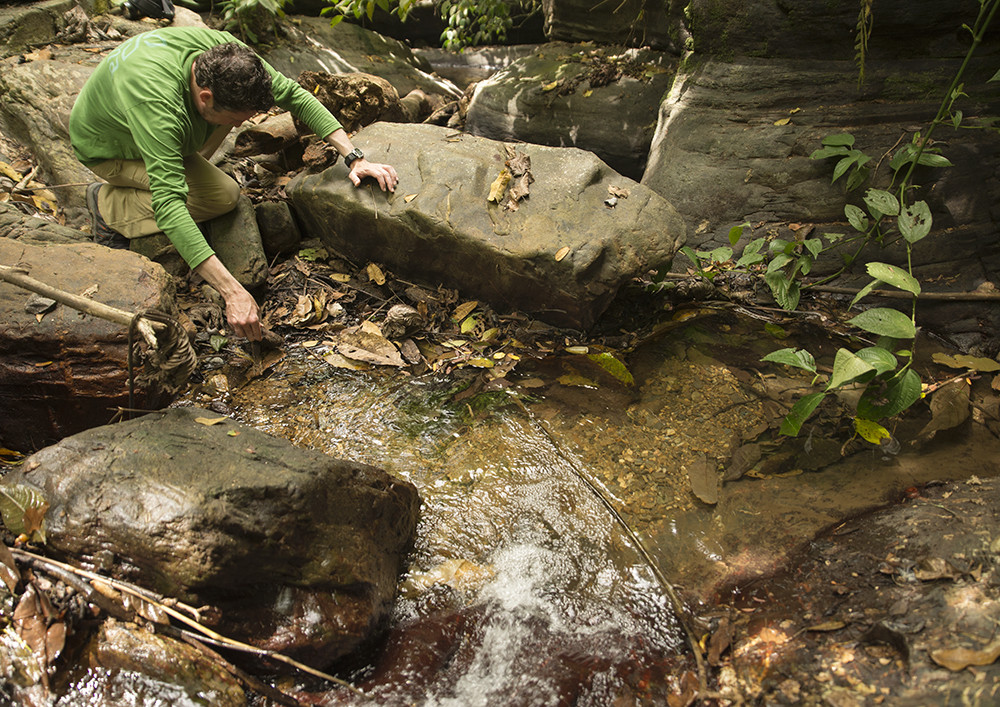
(236, 77)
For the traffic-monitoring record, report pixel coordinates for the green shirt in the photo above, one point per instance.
(137, 105)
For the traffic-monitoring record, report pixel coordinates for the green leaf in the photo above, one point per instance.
(692, 256)
(751, 253)
(864, 292)
(217, 341)
(736, 232)
(929, 159)
(845, 139)
(786, 292)
(610, 363)
(22, 507)
(829, 151)
(718, 255)
(878, 358)
(901, 391)
(881, 202)
(915, 221)
(995, 77)
(847, 368)
(800, 412)
(871, 431)
(797, 358)
(814, 246)
(885, 322)
(898, 278)
(858, 177)
(857, 218)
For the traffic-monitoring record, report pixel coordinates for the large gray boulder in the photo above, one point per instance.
(561, 255)
(600, 99)
(62, 371)
(300, 551)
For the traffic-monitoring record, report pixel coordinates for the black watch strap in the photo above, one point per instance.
(353, 156)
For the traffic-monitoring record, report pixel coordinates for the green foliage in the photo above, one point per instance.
(864, 33)
(22, 508)
(469, 22)
(883, 371)
(250, 18)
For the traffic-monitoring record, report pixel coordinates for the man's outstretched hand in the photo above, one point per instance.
(242, 312)
(384, 174)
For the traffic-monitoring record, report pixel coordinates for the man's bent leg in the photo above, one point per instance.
(126, 204)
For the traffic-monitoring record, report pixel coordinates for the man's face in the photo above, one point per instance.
(224, 117)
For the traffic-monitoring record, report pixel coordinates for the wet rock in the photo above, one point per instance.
(300, 551)
(560, 255)
(279, 233)
(576, 95)
(124, 659)
(64, 371)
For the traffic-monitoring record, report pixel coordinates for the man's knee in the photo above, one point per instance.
(209, 202)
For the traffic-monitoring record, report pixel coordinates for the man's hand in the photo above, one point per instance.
(384, 174)
(242, 312)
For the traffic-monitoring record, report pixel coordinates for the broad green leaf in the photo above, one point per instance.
(718, 255)
(814, 246)
(610, 363)
(894, 276)
(881, 202)
(22, 508)
(828, 151)
(871, 431)
(736, 232)
(780, 245)
(878, 358)
(800, 412)
(751, 253)
(900, 392)
(847, 367)
(786, 292)
(798, 358)
(885, 322)
(903, 157)
(858, 177)
(915, 221)
(803, 265)
(779, 261)
(842, 167)
(930, 159)
(864, 292)
(845, 139)
(857, 218)
(692, 256)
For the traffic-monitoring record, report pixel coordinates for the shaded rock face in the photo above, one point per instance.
(721, 159)
(634, 23)
(300, 551)
(356, 99)
(561, 255)
(67, 372)
(313, 45)
(818, 29)
(565, 95)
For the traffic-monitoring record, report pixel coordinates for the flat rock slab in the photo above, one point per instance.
(561, 255)
(300, 551)
(62, 371)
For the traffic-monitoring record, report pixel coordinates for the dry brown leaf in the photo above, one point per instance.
(409, 197)
(375, 274)
(8, 569)
(562, 253)
(463, 310)
(704, 480)
(956, 659)
(499, 186)
(209, 421)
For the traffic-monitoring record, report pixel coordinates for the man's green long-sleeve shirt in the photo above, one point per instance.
(137, 105)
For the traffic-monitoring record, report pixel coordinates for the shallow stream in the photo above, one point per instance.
(523, 588)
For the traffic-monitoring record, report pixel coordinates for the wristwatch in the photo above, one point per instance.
(352, 156)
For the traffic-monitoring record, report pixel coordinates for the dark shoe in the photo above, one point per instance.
(99, 230)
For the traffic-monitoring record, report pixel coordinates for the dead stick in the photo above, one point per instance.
(20, 278)
(217, 638)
